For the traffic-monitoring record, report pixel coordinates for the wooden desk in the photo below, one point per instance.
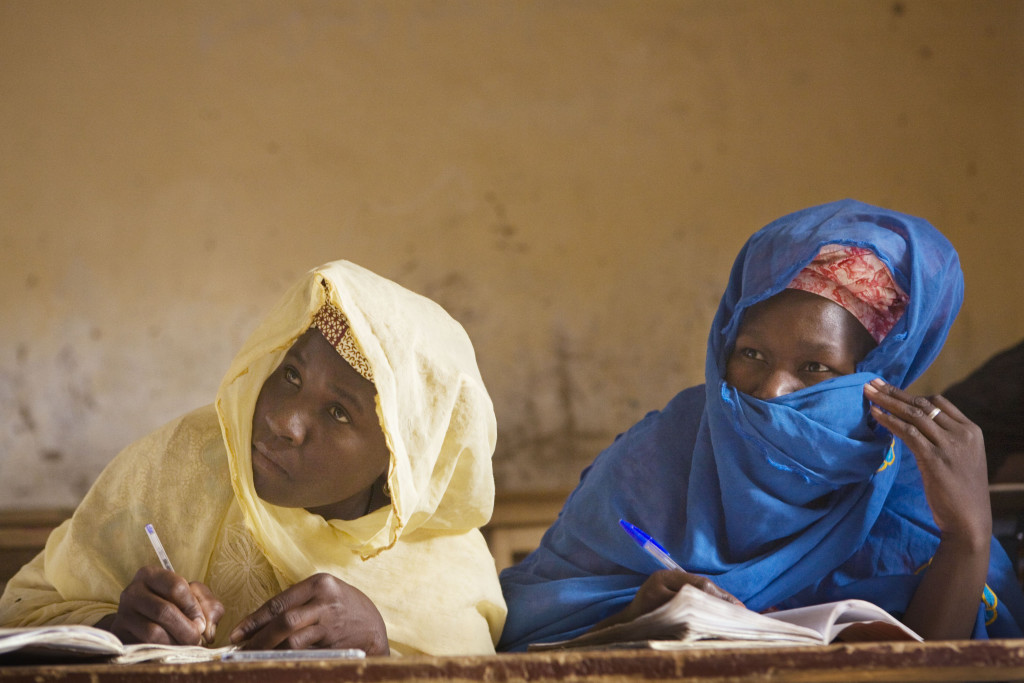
(998, 660)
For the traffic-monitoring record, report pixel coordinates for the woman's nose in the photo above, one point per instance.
(777, 384)
(287, 423)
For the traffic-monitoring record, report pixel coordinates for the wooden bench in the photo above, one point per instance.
(518, 523)
(23, 534)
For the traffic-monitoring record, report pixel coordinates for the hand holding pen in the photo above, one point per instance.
(160, 606)
(662, 585)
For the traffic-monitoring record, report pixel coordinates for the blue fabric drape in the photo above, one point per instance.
(796, 500)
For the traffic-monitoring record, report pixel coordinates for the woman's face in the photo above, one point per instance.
(794, 340)
(316, 440)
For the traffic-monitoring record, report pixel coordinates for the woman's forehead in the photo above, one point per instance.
(798, 315)
(317, 355)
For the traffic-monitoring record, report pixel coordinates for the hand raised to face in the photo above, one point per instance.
(950, 453)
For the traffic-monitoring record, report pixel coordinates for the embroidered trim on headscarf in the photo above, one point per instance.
(890, 457)
(857, 280)
(991, 600)
(333, 324)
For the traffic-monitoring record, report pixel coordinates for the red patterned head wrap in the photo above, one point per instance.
(857, 280)
(333, 325)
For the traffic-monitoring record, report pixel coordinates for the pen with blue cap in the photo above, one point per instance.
(650, 546)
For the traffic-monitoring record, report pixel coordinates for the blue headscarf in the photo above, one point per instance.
(796, 500)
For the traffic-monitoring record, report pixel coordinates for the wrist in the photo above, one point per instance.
(975, 543)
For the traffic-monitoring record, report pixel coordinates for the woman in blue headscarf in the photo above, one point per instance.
(801, 472)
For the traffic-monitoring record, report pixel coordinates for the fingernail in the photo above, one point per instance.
(878, 382)
(870, 389)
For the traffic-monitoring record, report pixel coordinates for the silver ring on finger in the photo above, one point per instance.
(935, 411)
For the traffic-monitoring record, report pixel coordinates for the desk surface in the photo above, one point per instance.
(997, 660)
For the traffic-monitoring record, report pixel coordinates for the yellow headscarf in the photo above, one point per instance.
(439, 425)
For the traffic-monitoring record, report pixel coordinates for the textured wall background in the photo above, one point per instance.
(570, 179)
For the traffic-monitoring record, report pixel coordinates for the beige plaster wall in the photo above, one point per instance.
(570, 179)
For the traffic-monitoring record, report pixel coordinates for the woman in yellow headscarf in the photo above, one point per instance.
(330, 498)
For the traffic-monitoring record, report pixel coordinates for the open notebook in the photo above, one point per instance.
(694, 618)
(76, 641)
(79, 642)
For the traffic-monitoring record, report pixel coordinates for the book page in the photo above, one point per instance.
(171, 654)
(70, 639)
(78, 641)
(709, 617)
(693, 615)
(850, 620)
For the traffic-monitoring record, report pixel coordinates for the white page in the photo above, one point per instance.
(71, 638)
(830, 619)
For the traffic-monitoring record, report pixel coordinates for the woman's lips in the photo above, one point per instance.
(264, 461)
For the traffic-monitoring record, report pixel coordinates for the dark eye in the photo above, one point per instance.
(818, 367)
(338, 414)
(291, 375)
(752, 354)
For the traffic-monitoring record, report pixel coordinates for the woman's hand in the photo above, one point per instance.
(950, 453)
(659, 589)
(319, 612)
(159, 606)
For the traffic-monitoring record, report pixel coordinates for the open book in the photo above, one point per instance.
(693, 617)
(77, 641)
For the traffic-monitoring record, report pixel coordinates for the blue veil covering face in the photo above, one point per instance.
(797, 500)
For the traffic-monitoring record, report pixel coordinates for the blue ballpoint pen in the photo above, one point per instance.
(650, 546)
